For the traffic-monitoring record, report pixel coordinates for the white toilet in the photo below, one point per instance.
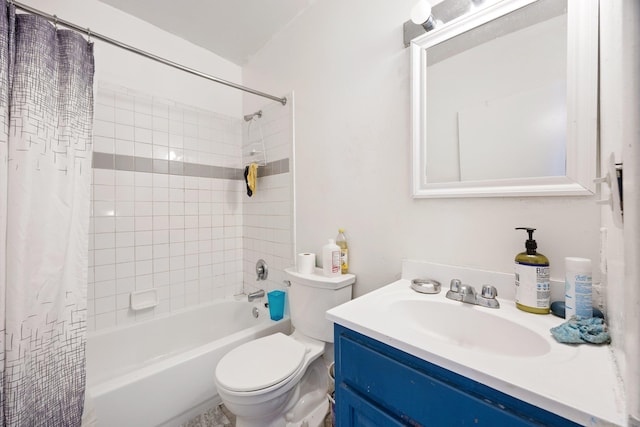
(281, 380)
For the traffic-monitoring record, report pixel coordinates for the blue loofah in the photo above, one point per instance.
(577, 331)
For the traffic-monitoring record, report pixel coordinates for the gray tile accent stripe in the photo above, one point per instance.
(172, 167)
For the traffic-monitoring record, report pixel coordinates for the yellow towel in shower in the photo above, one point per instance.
(251, 176)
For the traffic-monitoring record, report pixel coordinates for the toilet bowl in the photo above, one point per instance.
(280, 380)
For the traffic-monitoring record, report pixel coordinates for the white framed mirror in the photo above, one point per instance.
(504, 102)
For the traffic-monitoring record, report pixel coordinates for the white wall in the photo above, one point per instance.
(350, 71)
(126, 69)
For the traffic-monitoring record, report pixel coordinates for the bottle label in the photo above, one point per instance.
(335, 262)
(532, 286)
(344, 260)
(578, 300)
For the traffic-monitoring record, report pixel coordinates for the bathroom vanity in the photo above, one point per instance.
(379, 385)
(406, 358)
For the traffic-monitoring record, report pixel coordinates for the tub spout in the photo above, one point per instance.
(255, 295)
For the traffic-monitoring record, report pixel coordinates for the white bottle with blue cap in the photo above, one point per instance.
(577, 288)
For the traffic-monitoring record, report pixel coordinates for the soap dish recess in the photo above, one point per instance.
(144, 299)
(426, 286)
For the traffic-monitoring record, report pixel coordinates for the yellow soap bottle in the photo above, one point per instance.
(533, 291)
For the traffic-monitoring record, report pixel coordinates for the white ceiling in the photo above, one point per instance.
(232, 29)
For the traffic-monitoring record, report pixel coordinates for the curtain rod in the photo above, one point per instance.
(91, 34)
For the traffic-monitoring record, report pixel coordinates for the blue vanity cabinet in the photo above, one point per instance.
(378, 385)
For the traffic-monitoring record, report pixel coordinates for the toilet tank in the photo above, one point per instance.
(311, 295)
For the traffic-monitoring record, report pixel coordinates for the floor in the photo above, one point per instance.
(219, 416)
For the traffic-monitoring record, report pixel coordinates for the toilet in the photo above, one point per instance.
(281, 380)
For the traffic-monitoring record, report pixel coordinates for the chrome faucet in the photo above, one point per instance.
(255, 295)
(467, 294)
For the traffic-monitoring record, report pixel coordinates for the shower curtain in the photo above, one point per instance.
(46, 109)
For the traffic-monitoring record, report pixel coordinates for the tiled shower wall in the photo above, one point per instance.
(166, 206)
(268, 227)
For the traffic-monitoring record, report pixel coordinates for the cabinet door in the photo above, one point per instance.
(356, 411)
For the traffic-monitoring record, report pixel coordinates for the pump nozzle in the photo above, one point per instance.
(530, 244)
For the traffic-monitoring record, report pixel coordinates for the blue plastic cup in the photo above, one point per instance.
(276, 304)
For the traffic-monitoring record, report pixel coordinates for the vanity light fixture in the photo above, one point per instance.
(421, 15)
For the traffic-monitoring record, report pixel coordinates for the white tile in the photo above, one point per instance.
(144, 194)
(160, 237)
(160, 180)
(144, 223)
(176, 236)
(160, 208)
(176, 208)
(176, 182)
(104, 224)
(143, 121)
(161, 279)
(101, 209)
(104, 257)
(125, 269)
(124, 178)
(125, 254)
(125, 285)
(104, 289)
(103, 177)
(104, 192)
(104, 129)
(125, 117)
(144, 267)
(143, 135)
(104, 112)
(124, 208)
(160, 109)
(160, 152)
(124, 101)
(143, 179)
(144, 282)
(123, 132)
(177, 249)
(125, 239)
(176, 263)
(143, 150)
(161, 250)
(176, 222)
(143, 238)
(143, 253)
(160, 194)
(125, 193)
(103, 144)
(160, 265)
(143, 208)
(161, 222)
(105, 272)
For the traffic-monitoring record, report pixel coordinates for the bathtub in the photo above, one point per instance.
(161, 372)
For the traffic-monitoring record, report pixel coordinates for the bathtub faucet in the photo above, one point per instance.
(255, 295)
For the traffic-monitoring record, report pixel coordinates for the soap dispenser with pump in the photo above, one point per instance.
(533, 291)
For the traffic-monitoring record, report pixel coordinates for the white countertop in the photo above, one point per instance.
(578, 382)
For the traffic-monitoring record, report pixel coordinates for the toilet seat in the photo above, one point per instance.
(260, 363)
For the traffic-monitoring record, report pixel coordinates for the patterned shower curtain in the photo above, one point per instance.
(46, 113)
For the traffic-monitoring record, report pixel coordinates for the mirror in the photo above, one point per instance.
(505, 101)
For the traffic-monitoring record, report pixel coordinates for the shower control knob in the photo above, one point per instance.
(454, 285)
(262, 271)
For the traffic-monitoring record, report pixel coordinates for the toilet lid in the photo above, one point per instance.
(260, 363)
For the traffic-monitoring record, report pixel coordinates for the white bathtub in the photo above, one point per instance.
(161, 372)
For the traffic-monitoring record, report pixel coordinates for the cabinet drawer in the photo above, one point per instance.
(420, 393)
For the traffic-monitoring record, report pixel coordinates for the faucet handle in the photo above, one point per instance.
(454, 285)
(489, 291)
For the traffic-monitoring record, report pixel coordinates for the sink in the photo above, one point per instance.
(469, 327)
